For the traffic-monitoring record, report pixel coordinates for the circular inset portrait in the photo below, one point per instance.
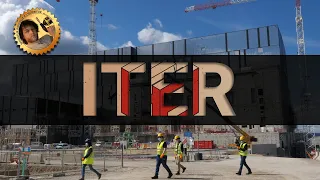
(37, 31)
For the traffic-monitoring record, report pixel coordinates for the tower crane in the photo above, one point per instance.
(215, 5)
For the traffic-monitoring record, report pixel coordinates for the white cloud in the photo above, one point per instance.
(127, 44)
(189, 32)
(158, 22)
(11, 9)
(112, 27)
(150, 35)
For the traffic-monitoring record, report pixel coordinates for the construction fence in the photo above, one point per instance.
(48, 163)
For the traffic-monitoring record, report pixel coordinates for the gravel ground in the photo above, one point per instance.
(273, 168)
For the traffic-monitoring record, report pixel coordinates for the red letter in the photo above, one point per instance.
(159, 88)
(123, 70)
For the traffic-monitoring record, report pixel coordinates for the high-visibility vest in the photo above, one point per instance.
(243, 153)
(160, 148)
(177, 149)
(88, 160)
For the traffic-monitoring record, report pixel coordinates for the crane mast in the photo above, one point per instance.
(92, 30)
(300, 29)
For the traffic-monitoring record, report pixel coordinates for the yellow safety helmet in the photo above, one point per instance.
(241, 138)
(177, 137)
(160, 135)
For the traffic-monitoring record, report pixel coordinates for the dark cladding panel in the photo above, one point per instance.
(31, 116)
(76, 96)
(61, 63)
(19, 70)
(19, 107)
(18, 87)
(109, 97)
(53, 96)
(78, 62)
(274, 35)
(237, 40)
(25, 70)
(112, 52)
(53, 86)
(47, 83)
(24, 85)
(63, 81)
(14, 84)
(145, 50)
(263, 32)
(179, 47)
(64, 96)
(50, 66)
(128, 51)
(6, 110)
(53, 108)
(1, 102)
(34, 69)
(77, 80)
(163, 48)
(43, 68)
(99, 96)
(36, 84)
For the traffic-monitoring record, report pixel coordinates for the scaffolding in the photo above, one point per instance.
(18, 135)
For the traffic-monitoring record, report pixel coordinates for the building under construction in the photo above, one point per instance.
(57, 90)
(45, 89)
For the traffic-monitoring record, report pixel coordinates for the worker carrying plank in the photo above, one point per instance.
(243, 152)
(178, 151)
(161, 157)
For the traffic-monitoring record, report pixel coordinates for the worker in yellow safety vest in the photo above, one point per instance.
(161, 156)
(243, 152)
(88, 159)
(178, 151)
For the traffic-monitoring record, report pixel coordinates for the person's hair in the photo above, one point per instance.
(27, 23)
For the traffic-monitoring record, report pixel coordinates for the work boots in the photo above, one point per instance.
(238, 173)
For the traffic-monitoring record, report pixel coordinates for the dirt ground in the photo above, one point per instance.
(273, 168)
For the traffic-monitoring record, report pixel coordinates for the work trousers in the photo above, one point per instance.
(178, 162)
(243, 163)
(90, 167)
(162, 161)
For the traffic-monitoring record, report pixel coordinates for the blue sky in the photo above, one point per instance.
(132, 16)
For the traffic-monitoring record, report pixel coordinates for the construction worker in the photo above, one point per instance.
(161, 157)
(178, 151)
(243, 152)
(87, 159)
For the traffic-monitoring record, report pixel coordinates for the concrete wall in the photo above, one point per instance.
(265, 149)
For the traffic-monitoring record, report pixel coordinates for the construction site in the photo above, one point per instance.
(126, 151)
